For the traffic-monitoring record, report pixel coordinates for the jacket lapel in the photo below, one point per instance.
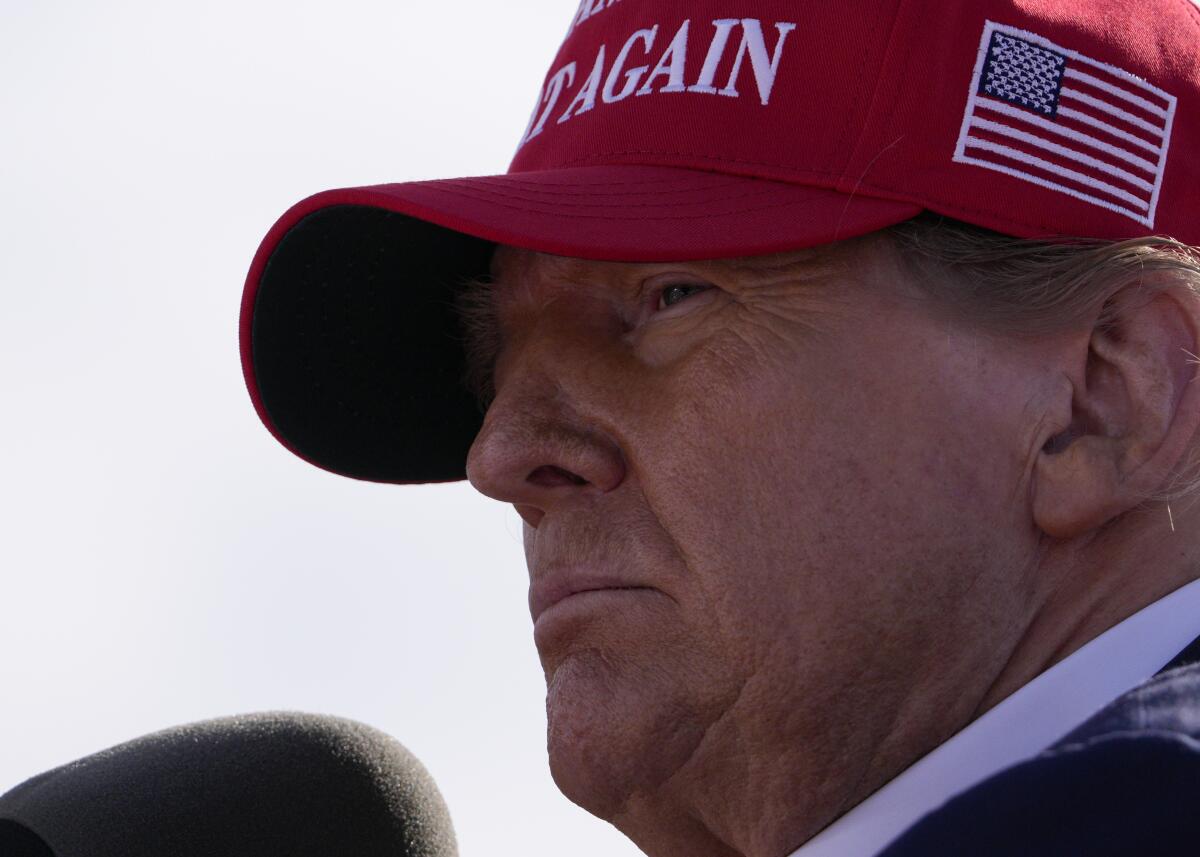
(1190, 655)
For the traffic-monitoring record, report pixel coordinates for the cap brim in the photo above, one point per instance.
(350, 345)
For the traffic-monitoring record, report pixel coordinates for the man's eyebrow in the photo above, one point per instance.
(480, 331)
(478, 317)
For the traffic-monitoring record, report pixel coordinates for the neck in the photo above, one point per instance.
(763, 797)
(1094, 583)
(771, 774)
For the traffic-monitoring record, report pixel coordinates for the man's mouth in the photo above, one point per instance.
(555, 590)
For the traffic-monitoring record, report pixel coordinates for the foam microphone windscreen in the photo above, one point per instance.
(274, 784)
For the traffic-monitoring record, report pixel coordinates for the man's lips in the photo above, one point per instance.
(547, 592)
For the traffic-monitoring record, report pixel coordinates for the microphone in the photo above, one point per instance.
(271, 784)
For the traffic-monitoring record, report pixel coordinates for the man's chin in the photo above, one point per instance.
(612, 735)
(586, 757)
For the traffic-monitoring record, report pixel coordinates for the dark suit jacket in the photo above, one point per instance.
(1126, 782)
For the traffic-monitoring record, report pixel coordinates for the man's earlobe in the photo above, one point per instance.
(1133, 414)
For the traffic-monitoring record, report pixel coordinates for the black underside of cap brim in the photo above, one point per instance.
(357, 349)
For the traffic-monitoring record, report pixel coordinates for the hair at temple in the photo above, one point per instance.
(1031, 287)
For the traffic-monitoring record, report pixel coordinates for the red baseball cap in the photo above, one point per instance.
(698, 129)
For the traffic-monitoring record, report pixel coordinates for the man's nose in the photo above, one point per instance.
(543, 442)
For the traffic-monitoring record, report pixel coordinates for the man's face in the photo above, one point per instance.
(796, 494)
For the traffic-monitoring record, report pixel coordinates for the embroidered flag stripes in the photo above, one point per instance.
(1049, 115)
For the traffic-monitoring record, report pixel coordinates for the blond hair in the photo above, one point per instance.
(1027, 287)
(1021, 286)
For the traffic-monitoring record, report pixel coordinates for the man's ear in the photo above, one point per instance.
(1132, 415)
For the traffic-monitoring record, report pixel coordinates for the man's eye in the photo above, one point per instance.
(672, 295)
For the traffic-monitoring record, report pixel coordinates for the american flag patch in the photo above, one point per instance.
(1051, 116)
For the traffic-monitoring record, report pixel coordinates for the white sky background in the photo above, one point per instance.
(162, 559)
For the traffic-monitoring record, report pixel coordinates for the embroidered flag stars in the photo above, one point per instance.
(1056, 118)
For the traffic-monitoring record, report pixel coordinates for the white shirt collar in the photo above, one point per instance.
(1021, 726)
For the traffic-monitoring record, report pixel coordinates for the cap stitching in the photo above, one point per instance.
(846, 114)
(509, 179)
(1194, 13)
(895, 105)
(862, 131)
(554, 190)
(853, 151)
(598, 155)
(706, 215)
(622, 205)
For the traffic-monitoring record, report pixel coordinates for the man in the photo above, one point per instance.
(830, 357)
